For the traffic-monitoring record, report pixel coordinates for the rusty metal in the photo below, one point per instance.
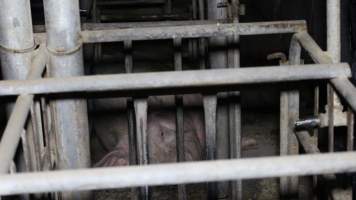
(191, 31)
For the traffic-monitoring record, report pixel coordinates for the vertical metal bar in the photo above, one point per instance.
(17, 43)
(210, 112)
(178, 66)
(168, 7)
(218, 58)
(131, 114)
(334, 49)
(130, 108)
(350, 130)
(289, 115)
(234, 104)
(142, 139)
(70, 118)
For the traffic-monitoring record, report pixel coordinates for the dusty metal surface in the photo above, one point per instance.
(67, 118)
(175, 82)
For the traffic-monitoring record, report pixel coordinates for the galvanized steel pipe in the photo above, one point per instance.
(15, 126)
(179, 173)
(70, 117)
(176, 82)
(191, 31)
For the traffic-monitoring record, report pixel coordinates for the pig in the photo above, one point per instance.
(161, 130)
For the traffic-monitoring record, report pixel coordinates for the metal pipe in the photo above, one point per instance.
(178, 173)
(131, 116)
(191, 31)
(210, 118)
(334, 50)
(343, 86)
(16, 51)
(70, 118)
(178, 66)
(347, 90)
(175, 82)
(140, 106)
(234, 107)
(16, 124)
(16, 38)
(289, 114)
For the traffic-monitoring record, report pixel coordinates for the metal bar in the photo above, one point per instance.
(299, 25)
(16, 38)
(210, 114)
(218, 58)
(16, 124)
(70, 117)
(192, 31)
(178, 66)
(334, 50)
(350, 130)
(175, 82)
(234, 109)
(142, 140)
(306, 142)
(178, 173)
(342, 85)
(289, 115)
(16, 48)
(131, 115)
(347, 90)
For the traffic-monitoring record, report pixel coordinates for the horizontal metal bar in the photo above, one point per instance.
(179, 173)
(18, 117)
(175, 82)
(130, 3)
(192, 31)
(120, 25)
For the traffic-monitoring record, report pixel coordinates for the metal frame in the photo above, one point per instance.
(179, 82)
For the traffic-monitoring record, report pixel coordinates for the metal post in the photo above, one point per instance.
(70, 119)
(218, 58)
(334, 49)
(16, 46)
(234, 103)
(178, 66)
(289, 115)
(131, 114)
(142, 140)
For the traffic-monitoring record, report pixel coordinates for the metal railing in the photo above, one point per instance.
(140, 85)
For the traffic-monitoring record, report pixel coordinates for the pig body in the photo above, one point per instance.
(161, 130)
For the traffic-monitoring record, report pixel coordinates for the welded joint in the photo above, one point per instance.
(18, 51)
(72, 51)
